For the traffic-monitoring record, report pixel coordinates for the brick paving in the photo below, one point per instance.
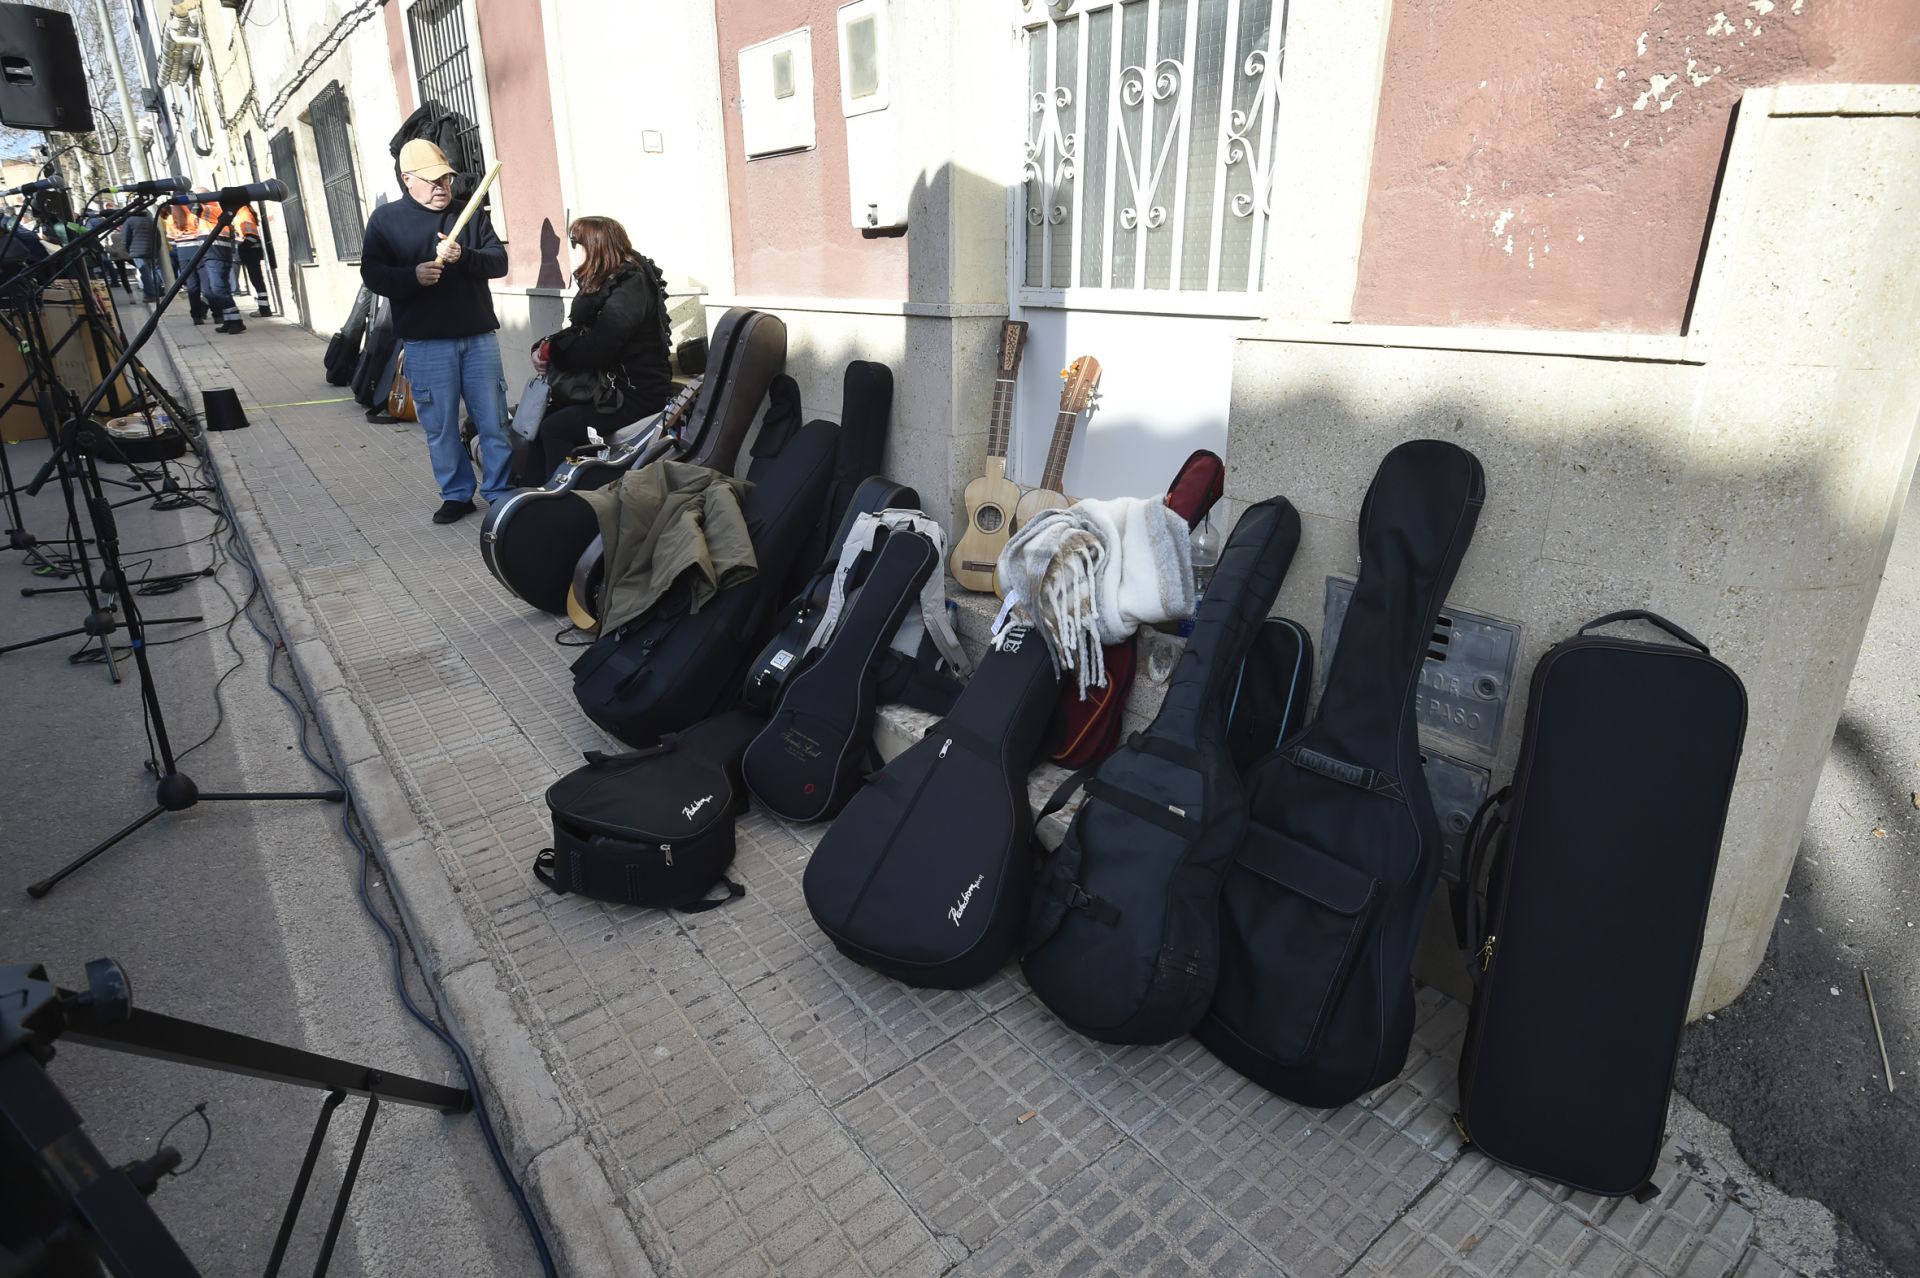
(760, 1104)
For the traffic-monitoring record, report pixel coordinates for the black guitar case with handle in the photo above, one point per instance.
(818, 747)
(784, 654)
(1602, 860)
(926, 876)
(866, 407)
(669, 667)
(1125, 938)
(1329, 889)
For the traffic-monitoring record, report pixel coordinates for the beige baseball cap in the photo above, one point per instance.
(424, 160)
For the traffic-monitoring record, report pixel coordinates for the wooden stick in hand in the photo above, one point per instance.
(466, 214)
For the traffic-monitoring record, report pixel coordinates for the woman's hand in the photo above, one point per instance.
(541, 360)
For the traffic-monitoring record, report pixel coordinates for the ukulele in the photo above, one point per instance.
(990, 499)
(1081, 377)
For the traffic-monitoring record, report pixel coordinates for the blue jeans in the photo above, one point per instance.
(150, 286)
(191, 288)
(444, 371)
(216, 283)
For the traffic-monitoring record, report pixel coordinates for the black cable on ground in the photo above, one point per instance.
(241, 554)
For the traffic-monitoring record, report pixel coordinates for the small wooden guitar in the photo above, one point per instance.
(1081, 377)
(990, 499)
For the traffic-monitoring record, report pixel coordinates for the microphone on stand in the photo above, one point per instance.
(155, 186)
(33, 188)
(234, 196)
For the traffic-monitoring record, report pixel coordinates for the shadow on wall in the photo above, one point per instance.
(552, 273)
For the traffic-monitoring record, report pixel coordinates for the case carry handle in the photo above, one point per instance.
(1653, 618)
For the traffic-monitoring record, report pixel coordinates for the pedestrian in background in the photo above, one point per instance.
(252, 253)
(140, 238)
(443, 316)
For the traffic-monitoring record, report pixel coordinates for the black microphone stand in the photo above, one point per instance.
(100, 622)
(174, 791)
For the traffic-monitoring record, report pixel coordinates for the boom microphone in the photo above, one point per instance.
(31, 188)
(235, 196)
(156, 186)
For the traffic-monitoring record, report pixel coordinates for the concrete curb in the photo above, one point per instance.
(540, 1133)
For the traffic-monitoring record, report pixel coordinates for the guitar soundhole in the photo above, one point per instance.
(989, 518)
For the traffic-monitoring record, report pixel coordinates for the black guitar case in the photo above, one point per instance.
(925, 876)
(373, 374)
(1603, 855)
(531, 541)
(343, 348)
(1125, 936)
(1328, 892)
(1270, 697)
(749, 351)
(781, 659)
(818, 747)
(668, 668)
(866, 406)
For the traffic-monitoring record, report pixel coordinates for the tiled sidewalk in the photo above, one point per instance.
(733, 1094)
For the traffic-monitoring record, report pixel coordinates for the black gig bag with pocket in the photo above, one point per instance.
(670, 667)
(818, 747)
(1125, 933)
(784, 654)
(1602, 858)
(1328, 892)
(925, 877)
(653, 828)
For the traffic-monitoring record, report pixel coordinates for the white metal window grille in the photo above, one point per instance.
(333, 144)
(293, 211)
(1149, 148)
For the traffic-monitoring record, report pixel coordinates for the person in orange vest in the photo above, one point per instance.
(251, 253)
(215, 276)
(184, 237)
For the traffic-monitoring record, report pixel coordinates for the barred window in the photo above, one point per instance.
(1149, 148)
(439, 31)
(333, 141)
(293, 211)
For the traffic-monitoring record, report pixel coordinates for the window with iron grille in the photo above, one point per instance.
(1149, 148)
(439, 30)
(293, 210)
(333, 143)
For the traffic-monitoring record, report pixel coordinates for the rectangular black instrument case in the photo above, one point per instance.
(1600, 862)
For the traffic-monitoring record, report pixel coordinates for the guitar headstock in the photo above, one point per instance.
(674, 415)
(1080, 377)
(1013, 341)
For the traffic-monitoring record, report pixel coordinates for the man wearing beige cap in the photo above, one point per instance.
(443, 314)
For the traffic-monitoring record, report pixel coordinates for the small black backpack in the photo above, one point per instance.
(654, 827)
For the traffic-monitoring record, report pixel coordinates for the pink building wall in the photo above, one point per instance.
(1551, 163)
(793, 234)
(522, 108)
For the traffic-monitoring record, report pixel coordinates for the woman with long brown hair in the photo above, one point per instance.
(609, 366)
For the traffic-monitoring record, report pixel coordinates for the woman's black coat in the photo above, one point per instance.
(616, 327)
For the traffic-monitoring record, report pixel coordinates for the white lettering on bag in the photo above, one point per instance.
(695, 806)
(966, 897)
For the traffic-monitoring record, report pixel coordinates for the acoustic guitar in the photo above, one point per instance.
(532, 540)
(990, 499)
(1081, 377)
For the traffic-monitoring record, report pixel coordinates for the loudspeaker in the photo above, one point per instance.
(43, 82)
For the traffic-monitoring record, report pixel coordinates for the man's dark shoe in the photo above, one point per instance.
(231, 326)
(452, 511)
(198, 320)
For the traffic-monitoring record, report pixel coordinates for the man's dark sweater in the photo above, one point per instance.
(403, 233)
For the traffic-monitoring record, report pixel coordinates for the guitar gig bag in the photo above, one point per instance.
(1270, 697)
(749, 350)
(866, 406)
(818, 747)
(1603, 854)
(668, 668)
(1328, 891)
(1125, 933)
(653, 828)
(781, 659)
(925, 877)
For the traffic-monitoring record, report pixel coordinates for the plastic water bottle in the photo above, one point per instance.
(1205, 540)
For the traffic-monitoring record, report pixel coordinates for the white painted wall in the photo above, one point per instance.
(620, 71)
